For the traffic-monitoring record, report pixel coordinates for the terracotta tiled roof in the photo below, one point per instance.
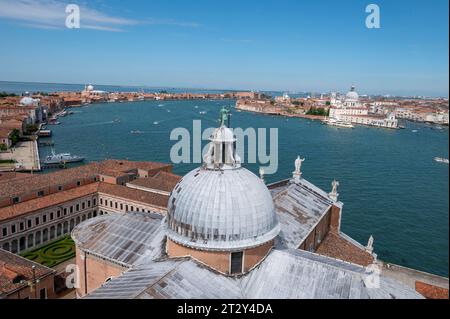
(161, 181)
(430, 291)
(17, 187)
(337, 247)
(123, 166)
(47, 201)
(15, 267)
(12, 175)
(137, 195)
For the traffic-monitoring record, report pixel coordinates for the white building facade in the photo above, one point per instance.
(351, 110)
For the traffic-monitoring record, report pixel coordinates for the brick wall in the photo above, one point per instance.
(219, 260)
(94, 272)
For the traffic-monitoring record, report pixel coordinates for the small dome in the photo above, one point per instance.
(352, 95)
(26, 101)
(90, 88)
(221, 210)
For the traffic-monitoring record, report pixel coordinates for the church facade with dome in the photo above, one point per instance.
(226, 234)
(352, 110)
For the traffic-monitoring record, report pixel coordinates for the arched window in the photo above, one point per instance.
(45, 235)
(22, 243)
(52, 232)
(38, 238)
(30, 240)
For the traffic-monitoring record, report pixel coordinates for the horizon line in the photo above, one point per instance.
(223, 89)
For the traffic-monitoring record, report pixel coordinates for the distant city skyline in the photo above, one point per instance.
(179, 88)
(318, 46)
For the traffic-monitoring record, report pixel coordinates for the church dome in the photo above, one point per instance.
(26, 101)
(221, 206)
(352, 95)
(221, 210)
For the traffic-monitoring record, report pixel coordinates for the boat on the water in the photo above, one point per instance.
(337, 123)
(137, 132)
(441, 160)
(44, 133)
(61, 158)
(53, 121)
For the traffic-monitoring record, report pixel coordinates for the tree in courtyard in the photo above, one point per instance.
(15, 136)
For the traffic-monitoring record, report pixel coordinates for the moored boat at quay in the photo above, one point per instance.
(337, 123)
(62, 158)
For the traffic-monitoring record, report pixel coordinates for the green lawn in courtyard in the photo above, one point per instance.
(54, 253)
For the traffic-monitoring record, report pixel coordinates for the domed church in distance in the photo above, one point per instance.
(228, 235)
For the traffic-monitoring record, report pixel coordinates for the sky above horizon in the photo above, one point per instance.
(281, 45)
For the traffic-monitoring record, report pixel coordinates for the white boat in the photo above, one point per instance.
(62, 158)
(137, 132)
(441, 160)
(337, 123)
(202, 112)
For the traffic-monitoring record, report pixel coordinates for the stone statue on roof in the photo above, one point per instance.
(369, 247)
(297, 174)
(334, 193)
(298, 165)
(335, 185)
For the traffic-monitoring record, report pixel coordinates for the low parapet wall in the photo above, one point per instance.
(422, 282)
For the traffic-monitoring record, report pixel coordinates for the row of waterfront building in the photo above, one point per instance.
(351, 108)
(21, 115)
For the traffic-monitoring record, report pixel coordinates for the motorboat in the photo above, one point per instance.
(441, 160)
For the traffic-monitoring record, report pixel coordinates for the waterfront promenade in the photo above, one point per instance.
(26, 155)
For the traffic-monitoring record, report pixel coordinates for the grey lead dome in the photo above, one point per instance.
(221, 210)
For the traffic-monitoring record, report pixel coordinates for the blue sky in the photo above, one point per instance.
(261, 45)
